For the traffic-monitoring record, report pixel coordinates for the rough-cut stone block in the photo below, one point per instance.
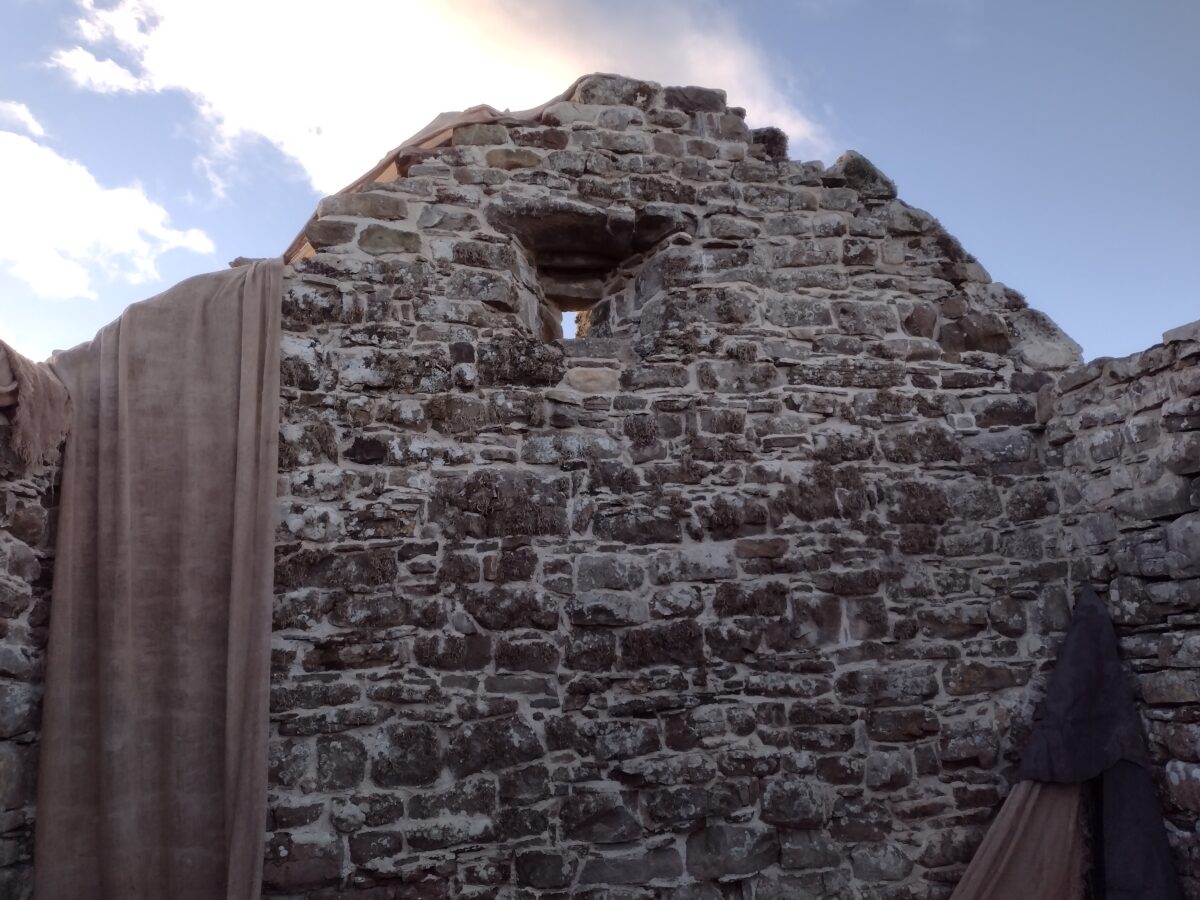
(613, 572)
(519, 361)
(808, 850)
(403, 755)
(380, 239)
(545, 868)
(632, 868)
(492, 744)
(599, 818)
(796, 804)
(890, 686)
(287, 762)
(313, 568)
(675, 643)
(300, 864)
(500, 502)
(18, 709)
(480, 133)
(323, 233)
(1183, 546)
(1170, 687)
(880, 862)
(694, 99)
(505, 608)
(607, 608)
(593, 380)
(18, 767)
(721, 850)
(474, 797)
(364, 205)
(860, 174)
(981, 677)
(888, 771)
(615, 90)
(1189, 332)
(341, 762)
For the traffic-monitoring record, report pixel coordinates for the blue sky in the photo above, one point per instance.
(143, 141)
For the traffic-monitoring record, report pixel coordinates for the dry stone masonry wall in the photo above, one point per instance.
(745, 592)
(1128, 432)
(26, 562)
(741, 594)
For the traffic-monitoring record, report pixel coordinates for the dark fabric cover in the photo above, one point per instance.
(1087, 721)
(1137, 858)
(1088, 727)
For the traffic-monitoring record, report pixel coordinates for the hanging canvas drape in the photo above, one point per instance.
(152, 776)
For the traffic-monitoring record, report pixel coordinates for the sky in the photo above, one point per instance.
(144, 141)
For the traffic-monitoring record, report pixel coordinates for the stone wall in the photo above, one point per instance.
(746, 592)
(1128, 432)
(740, 595)
(26, 551)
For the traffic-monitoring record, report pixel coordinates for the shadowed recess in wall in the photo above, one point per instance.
(578, 248)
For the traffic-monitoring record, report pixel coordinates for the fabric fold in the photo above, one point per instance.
(1035, 850)
(152, 776)
(39, 407)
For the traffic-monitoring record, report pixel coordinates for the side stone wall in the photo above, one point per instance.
(742, 595)
(26, 565)
(1128, 431)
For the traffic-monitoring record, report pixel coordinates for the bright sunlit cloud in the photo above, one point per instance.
(101, 75)
(337, 92)
(60, 248)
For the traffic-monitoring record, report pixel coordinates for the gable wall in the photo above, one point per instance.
(750, 583)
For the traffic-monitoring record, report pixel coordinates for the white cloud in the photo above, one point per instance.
(336, 92)
(60, 242)
(102, 75)
(17, 115)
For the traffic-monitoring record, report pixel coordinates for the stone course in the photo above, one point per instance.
(745, 592)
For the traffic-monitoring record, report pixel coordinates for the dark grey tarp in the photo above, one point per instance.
(1086, 734)
(1087, 722)
(1088, 728)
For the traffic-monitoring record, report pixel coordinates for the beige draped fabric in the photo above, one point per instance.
(1035, 850)
(152, 777)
